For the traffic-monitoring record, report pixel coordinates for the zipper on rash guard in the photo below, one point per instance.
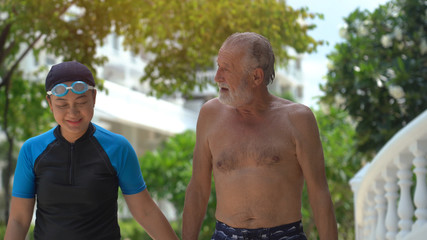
(71, 170)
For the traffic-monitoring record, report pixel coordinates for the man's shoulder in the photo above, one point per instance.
(212, 103)
(300, 109)
(300, 116)
(296, 114)
(213, 106)
(293, 108)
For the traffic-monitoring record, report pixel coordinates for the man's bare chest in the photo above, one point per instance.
(236, 147)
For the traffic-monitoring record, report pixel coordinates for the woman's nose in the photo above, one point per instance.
(73, 110)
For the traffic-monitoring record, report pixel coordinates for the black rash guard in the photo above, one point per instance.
(76, 184)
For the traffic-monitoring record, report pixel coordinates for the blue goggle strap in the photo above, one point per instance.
(85, 88)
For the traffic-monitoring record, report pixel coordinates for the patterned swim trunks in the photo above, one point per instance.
(291, 231)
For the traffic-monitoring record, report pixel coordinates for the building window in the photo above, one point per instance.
(116, 42)
(298, 64)
(50, 60)
(300, 92)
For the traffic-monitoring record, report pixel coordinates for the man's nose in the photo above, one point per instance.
(218, 77)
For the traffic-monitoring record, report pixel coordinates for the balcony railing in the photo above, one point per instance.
(390, 193)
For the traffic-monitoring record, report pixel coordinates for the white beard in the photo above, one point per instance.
(238, 98)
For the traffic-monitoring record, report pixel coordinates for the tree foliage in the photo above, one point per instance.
(167, 172)
(183, 37)
(378, 74)
(24, 116)
(29, 113)
(178, 37)
(342, 160)
(27, 98)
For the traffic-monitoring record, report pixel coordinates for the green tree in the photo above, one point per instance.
(342, 160)
(26, 117)
(378, 74)
(184, 36)
(167, 172)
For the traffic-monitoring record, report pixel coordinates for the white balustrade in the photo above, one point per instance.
(419, 150)
(380, 207)
(372, 216)
(405, 210)
(391, 195)
(391, 191)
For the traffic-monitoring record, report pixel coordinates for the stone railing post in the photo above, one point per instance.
(405, 209)
(371, 217)
(391, 188)
(380, 207)
(419, 149)
(360, 226)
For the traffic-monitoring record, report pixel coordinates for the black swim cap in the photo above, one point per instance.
(68, 71)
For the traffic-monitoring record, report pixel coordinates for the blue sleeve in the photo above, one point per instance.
(24, 178)
(124, 160)
(23, 181)
(129, 172)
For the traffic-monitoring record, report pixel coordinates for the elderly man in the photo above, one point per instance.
(260, 149)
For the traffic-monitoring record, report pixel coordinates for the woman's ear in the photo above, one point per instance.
(94, 96)
(49, 101)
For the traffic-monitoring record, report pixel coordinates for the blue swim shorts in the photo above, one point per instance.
(291, 231)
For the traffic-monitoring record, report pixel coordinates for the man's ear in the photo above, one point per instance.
(258, 76)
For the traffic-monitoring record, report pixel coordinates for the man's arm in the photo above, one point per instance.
(148, 215)
(21, 213)
(199, 188)
(311, 159)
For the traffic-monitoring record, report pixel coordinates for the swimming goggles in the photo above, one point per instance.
(77, 87)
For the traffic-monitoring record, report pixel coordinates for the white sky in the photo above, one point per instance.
(334, 11)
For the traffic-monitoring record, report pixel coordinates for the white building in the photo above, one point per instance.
(289, 80)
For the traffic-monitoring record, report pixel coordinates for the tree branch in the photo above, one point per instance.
(8, 76)
(3, 54)
(3, 37)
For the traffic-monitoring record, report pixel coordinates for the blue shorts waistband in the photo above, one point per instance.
(295, 229)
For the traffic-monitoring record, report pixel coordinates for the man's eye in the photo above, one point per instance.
(81, 103)
(62, 106)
